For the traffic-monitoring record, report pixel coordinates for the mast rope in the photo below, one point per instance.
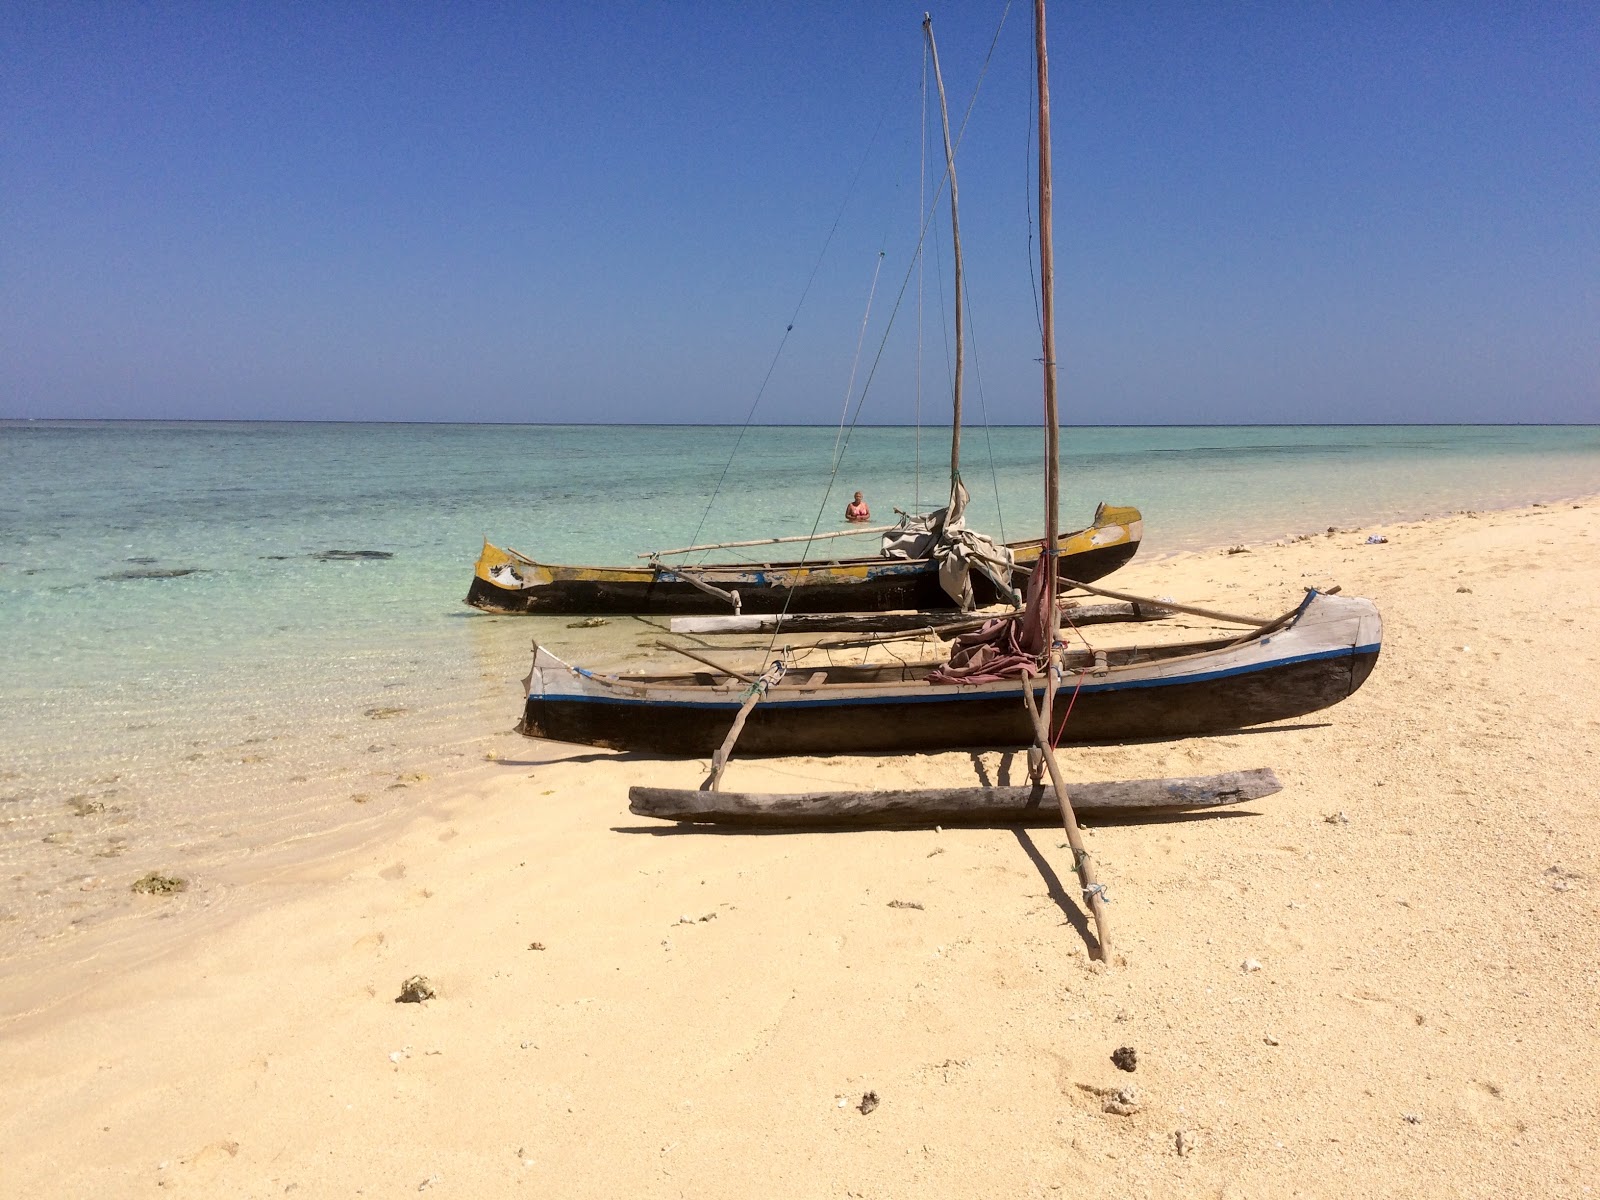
(783, 341)
(899, 300)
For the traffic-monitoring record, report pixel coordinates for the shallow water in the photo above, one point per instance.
(191, 676)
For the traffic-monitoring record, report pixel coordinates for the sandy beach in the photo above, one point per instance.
(649, 1011)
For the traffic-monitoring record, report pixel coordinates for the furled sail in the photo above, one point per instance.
(943, 536)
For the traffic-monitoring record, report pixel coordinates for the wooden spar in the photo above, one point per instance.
(867, 622)
(1093, 893)
(688, 576)
(1190, 609)
(921, 807)
(955, 233)
(758, 689)
(797, 537)
(942, 622)
(715, 666)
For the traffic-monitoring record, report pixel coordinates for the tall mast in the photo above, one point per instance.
(955, 232)
(1047, 285)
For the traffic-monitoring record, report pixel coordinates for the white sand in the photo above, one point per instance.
(1423, 1023)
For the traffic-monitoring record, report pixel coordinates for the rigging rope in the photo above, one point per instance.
(827, 495)
(789, 328)
(856, 360)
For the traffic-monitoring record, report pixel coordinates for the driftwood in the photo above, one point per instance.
(923, 807)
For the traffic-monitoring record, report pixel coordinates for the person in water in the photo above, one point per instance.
(857, 510)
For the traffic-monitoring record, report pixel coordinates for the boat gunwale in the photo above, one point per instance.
(655, 567)
(1085, 679)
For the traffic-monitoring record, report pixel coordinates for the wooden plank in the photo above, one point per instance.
(912, 808)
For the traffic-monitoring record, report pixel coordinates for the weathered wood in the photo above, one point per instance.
(856, 585)
(796, 537)
(942, 622)
(885, 622)
(700, 658)
(955, 236)
(1118, 613)
(921, 807)
(689, 577)
(1093, 891)
(758, 689)
(1047, 314)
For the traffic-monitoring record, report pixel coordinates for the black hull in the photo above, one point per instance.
(1186, 709)
(915, 590)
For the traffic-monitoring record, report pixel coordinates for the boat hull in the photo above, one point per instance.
(509, 583)
(1322, 657)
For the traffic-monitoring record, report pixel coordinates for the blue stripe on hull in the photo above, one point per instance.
(945, 697)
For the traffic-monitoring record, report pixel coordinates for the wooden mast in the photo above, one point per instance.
(1093, 891)
(1047, 283)
(955, 232)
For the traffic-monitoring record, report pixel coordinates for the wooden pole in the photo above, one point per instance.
(1047, 289)
(796, 537)
(717, 667)
(758, 689)
(1093, 893)
(955, 233)
(688, 576)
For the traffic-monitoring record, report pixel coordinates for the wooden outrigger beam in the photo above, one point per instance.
(868, 622)
(798, 537)
(758, 689)
(688, 576)
(941, 621)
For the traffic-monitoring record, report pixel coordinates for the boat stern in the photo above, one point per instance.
(1349, 622)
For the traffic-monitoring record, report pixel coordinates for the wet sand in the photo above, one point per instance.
(624, 1009)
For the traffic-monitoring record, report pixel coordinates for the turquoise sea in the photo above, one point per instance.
(191, 678)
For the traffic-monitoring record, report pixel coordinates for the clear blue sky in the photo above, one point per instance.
(576, 211)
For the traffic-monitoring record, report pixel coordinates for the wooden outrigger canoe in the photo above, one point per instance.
(1309, 660)
(922, 807)
(505, 581)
